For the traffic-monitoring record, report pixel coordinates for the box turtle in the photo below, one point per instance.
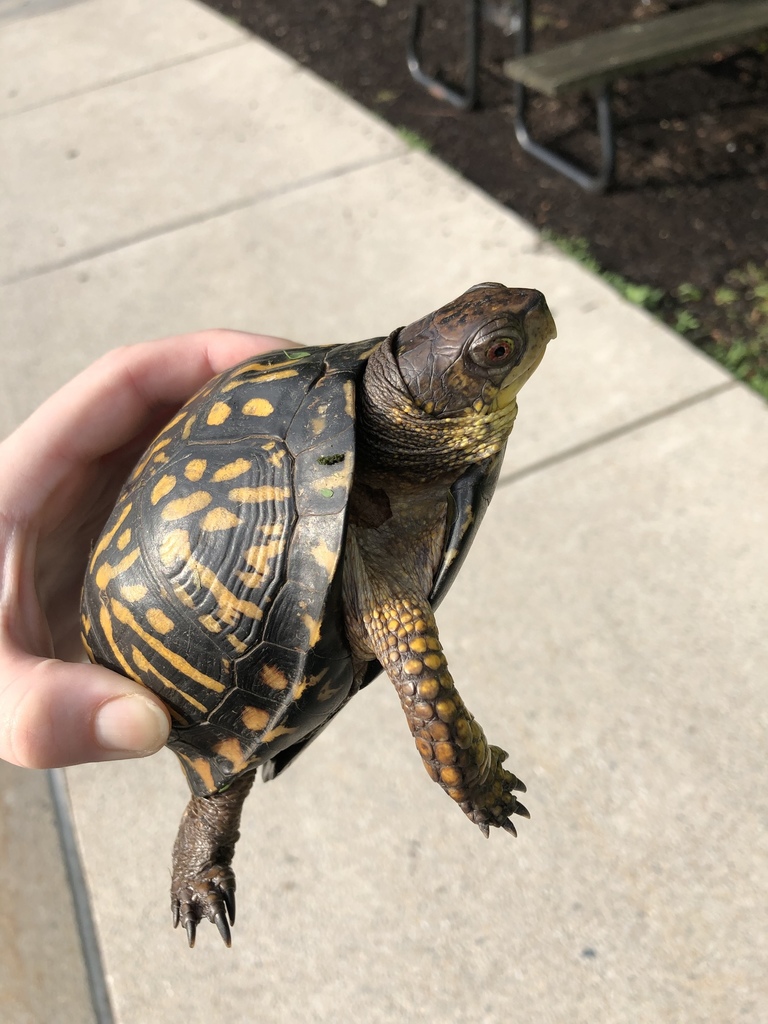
(287, 536)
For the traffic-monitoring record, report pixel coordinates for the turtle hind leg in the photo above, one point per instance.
(203, 884)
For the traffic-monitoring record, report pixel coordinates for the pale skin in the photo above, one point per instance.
(60, 473)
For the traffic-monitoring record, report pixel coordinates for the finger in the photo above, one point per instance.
(55, 714)
(106, 405)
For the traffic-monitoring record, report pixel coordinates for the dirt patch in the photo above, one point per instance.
(685, 228)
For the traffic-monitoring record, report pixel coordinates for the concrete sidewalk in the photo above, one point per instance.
(162, 171)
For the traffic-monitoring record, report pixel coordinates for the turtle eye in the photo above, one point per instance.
(497, 352)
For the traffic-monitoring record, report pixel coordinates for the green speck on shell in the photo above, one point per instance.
(327, 492)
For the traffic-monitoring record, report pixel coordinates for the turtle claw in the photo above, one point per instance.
(209, 894)
(229, 901)
(220, 920)
(494, 801)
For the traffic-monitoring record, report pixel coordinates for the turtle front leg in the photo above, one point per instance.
(203, 882)
(452, 744)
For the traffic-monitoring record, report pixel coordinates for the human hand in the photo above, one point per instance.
(60, 474)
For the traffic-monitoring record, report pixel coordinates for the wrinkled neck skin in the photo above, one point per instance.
(398, 437)
(399, 504)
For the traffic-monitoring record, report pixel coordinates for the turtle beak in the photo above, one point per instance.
(539, 329)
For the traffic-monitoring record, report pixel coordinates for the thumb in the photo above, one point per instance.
(54, 713)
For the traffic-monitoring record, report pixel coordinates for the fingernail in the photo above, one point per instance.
(131, 724)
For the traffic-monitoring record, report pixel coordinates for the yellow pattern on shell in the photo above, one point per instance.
(258, 407)
(232, 750)
(220, 413)
(201, 767)
(270, 529)
(349, 398)
(256, 494)
(230, 607)
(327, 692)
(255, 719)
(281, 730)
(144, 666)
(153, 449)
(159, 621)
(338, 479)
(163, 486)
(174, 547)
(194, 470)
(231, 470)
(122, 614)
(176, 419)
(220, 519)
(265, 378)
(107, 538)
(324, 557)
(313, 628)
(184, 597)
(106, 627)
(258, 556)
(304, 683)
(107, 572)
(180, 508)
(273, 678)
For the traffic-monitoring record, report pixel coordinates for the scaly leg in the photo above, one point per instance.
(453, 747)
(203, 880)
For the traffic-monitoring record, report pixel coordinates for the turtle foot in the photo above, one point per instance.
(203, 883)
(210, 895)
(495, 802)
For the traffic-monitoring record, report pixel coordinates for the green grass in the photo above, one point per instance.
(413, 139)
(578, 248)
(743, 347)
(729, 320)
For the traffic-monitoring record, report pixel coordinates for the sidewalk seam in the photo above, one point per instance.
(626, 428)
(89, 943)
(199, 218)
(129, 76)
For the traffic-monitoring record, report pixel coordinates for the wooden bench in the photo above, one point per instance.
(595, 61)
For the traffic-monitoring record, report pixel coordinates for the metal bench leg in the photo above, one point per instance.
(434, 86)
(590, 182)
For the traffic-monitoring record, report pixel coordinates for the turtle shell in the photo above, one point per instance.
(217, 580)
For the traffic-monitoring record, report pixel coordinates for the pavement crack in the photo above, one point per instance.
(129, 76)
(79, 890)
(612, 435)
(190, 220)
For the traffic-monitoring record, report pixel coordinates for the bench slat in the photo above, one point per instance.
(659, 42)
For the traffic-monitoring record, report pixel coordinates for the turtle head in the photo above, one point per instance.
(474, 355)
(447, 384)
